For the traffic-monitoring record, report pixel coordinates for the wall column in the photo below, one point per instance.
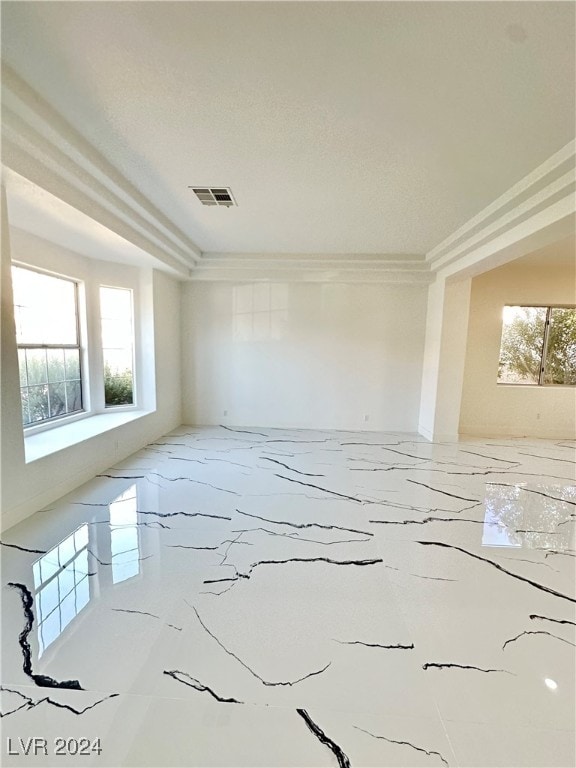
(444, 358)
(12, 442)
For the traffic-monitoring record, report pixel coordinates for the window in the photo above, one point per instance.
(79, 337)
(48, 338)
(117, 345)
(538, 346)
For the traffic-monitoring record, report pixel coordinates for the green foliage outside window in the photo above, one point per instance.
(561, 349)
(118, 387)
(50, 383)
(525, 350)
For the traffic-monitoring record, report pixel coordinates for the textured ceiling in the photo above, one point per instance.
(340, 127)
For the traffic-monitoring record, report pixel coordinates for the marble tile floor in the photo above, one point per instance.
(259, 597)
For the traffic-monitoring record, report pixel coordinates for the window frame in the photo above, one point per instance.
(52, 421)
(135, 381)
(87, 283)
(543, 354)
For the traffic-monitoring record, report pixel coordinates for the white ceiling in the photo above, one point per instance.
(340, 127)
(559, 255)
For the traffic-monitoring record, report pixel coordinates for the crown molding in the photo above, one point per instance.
(43, 147)
(331, 268)
(36, 172)
(551, 186)
(39, 144)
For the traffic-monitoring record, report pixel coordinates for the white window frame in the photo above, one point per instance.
(88, 283)
(136, 395)
(57, 421)
(543, 355)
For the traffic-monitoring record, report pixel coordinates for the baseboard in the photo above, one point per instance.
(425, 432)
(489, 431)
(437, 437)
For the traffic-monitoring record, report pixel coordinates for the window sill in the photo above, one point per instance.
(57, 439)
(534, 386)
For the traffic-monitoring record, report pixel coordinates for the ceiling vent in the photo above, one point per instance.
(214, 196)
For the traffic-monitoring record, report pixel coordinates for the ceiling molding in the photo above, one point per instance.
(39, 144)
(550, 184)
(546, 227)
(330, 268)
(55, 184)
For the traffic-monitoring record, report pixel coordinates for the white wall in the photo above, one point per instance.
(27, 487)
(489, 409)
(316, 355)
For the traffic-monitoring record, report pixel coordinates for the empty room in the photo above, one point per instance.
(288, 384)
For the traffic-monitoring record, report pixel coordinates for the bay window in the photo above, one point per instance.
(76, 344)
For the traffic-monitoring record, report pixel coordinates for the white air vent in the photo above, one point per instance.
(214, 196)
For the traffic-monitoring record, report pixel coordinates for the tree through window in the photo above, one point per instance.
(48, 338)
(538, 346)
(116, 317)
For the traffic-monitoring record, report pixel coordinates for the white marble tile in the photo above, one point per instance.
(151, 731)
(503, 744)
(410, 597)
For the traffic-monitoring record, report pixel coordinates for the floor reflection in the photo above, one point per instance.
(124, 542)
(62, 577)
(517, 516)
(61, 586)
